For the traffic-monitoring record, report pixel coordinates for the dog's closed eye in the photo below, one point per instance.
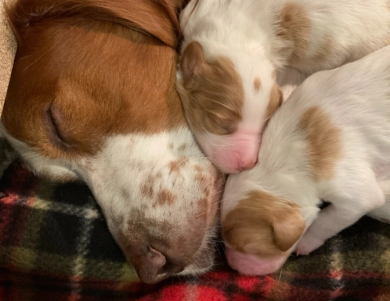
(54, 122)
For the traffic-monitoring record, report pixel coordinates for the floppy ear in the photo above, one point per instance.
(156, 18)
(288, 225)
(192, 60)
(275, 101)
(263, 224)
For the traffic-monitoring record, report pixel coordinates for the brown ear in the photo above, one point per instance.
(288, 225)
(263, 224)
(275, 101)
(157, 18)
(192, 60)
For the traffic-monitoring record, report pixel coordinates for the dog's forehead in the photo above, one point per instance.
(91, 100)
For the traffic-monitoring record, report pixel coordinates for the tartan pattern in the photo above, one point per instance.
(55, 245)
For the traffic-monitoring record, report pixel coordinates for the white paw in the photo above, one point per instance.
(308, 244)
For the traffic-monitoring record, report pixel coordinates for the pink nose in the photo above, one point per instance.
(249, 264)
(246, 164)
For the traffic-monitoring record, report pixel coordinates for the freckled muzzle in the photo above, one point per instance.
(174, 238)
(156, 259)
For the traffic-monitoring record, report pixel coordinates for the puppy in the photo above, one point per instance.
(233, 50)
(329, 141)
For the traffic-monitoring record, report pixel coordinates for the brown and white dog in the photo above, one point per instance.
(330, 141)
(234, 53)
(92, 97)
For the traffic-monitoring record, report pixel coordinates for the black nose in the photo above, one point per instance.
(154, 267)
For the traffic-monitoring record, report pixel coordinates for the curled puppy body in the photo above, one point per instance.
(329, 141)
(232, 49)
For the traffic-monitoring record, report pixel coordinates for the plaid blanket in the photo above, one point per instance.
(55, 245)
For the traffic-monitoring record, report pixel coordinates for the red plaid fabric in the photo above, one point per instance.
(55, 245)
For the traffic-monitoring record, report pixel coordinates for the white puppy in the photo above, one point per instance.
(232, 49)
(329, 141)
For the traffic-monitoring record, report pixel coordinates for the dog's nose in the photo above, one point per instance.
(246, 164)
(154, 267)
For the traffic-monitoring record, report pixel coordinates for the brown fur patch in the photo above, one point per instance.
(164, 197)
(85, 68)
(257, 84)
(177, 165)
(213, 99)
(174, 166)
(263, 224)
(324, 142)
(147, 190)
(203, 182)
(294, 27)
(182, 147)
(326, 48)
(275, 101)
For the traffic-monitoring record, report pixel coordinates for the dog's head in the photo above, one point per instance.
(92, 97)
(260, 231)
(228, 98)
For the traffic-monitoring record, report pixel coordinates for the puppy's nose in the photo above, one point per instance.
(154, 267)
(246, 164)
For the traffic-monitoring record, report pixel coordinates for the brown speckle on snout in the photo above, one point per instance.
(159, 249)
(257, 84)
(164, 197)
(176, 165)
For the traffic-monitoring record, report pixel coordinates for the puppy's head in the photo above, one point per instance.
(228, 99)
(260, 232)
(92, 97)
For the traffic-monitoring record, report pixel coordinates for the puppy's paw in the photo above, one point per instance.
(308, 244)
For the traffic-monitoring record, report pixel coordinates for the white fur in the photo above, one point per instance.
(116, 176)
(245, 32)
(357, 99)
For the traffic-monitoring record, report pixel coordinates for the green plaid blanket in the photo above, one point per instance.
(55, 245)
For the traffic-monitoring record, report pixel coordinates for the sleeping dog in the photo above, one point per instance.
(235, 54)
(92, 97)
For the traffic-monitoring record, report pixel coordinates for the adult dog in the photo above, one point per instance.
(92, 97)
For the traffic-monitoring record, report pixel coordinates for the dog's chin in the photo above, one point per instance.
(203, 260)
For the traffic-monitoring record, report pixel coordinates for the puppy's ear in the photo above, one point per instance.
(263, 224)
(192, 60)
(275, 101)
(288, 225)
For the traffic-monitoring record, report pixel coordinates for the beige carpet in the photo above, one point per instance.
(7, 52)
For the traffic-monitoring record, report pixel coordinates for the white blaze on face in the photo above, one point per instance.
(155, 190)
(238, 151)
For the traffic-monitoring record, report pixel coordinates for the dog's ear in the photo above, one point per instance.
(275, 101)
(192, 60)
(156, 18)
(262, 224)
(288, 225)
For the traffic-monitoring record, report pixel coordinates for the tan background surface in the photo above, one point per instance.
(7, 52)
